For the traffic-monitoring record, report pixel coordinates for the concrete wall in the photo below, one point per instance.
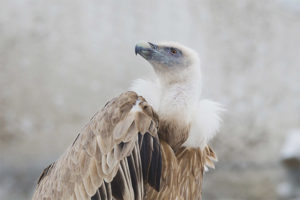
(61, 60)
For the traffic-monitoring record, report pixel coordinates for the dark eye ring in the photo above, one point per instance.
(173, 51)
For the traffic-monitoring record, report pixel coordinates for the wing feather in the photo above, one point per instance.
(117, 152)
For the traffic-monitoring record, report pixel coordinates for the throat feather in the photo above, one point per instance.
(175, 111)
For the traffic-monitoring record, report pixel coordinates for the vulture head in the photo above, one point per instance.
(172, 62)
(176, 94)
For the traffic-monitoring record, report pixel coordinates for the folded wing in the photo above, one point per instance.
(115, 155)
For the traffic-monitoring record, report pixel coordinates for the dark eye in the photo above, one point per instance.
(173, 51)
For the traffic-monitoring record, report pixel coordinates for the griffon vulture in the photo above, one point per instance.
(148, 144)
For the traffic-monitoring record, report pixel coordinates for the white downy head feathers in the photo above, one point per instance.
(176, 93)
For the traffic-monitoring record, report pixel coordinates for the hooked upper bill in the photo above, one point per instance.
(145, 49)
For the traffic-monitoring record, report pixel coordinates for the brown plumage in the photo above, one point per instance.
(127, 152)
(100, 155)
(106, 150)
(181, 174)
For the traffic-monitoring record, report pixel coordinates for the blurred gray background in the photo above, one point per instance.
(61, 60)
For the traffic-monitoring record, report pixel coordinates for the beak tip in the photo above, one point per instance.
(136, 50)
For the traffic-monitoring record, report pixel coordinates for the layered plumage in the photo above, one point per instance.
(104, 161)
(147, 144)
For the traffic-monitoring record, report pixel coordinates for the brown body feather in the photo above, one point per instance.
(174, 133)
(182, 174)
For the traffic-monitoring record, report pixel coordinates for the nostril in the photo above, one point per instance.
(152, 45)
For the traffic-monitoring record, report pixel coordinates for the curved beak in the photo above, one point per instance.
(145, 49)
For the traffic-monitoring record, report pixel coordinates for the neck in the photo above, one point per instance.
(177, 98)
(176, 105)
(174, 101)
